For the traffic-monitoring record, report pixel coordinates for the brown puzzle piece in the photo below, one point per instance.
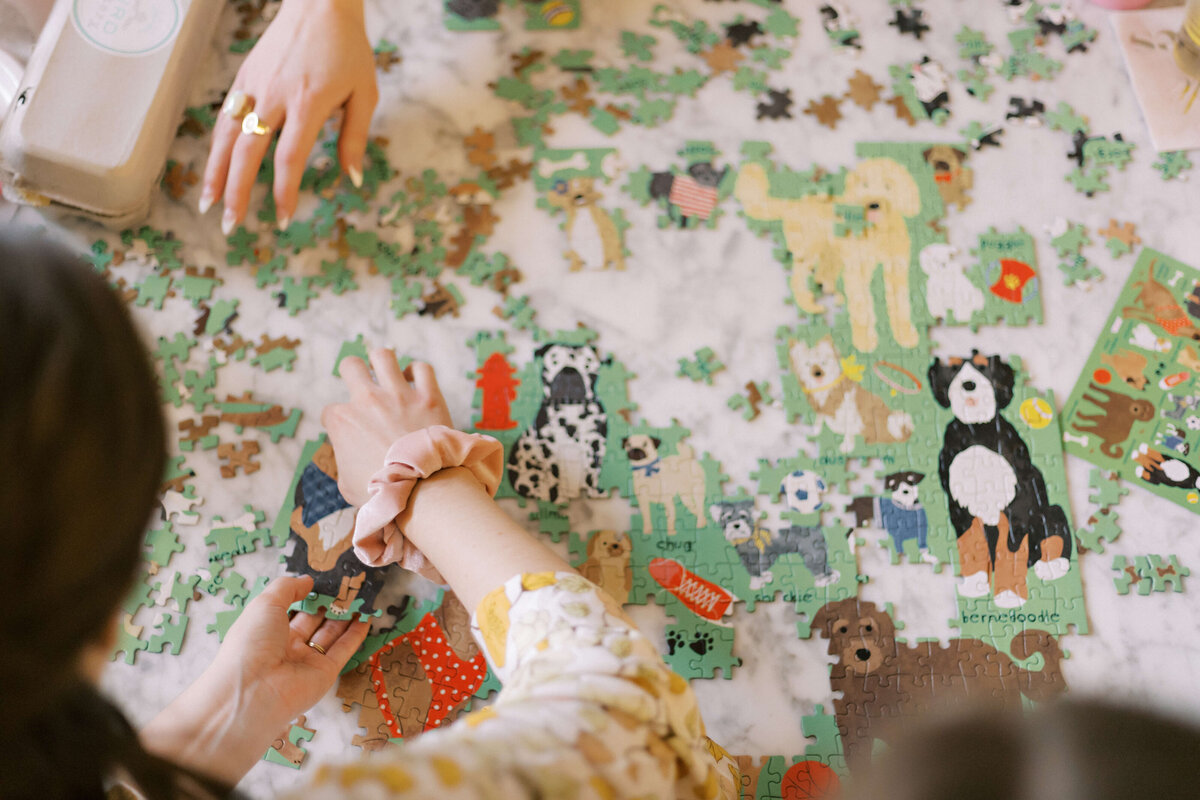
(827, 111)
(863, 91)
(902, 111)
(1125, 232)
(194, 430)
(723, 57)
(239, 457)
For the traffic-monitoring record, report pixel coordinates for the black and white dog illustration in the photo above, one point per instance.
(759, 549)
(1155, 467)
(998, 501)
(559, 456)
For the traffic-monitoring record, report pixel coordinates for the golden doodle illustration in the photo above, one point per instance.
(889, 195)
(593, 239)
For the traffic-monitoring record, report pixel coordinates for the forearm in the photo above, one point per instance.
(471, 541)
(215, 729)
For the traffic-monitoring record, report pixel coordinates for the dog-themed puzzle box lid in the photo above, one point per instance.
(98, 144)
(1135, 410)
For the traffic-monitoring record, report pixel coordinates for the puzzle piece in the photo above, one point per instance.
(1172, 164)
(239, 457)
(1101, 527)
(1106, 488)
(285, 750)
(702, 367)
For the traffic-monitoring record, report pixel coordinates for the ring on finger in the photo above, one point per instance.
(316, 647)
(253, 126)
(237, 104)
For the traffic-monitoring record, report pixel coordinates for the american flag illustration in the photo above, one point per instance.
(692, 199)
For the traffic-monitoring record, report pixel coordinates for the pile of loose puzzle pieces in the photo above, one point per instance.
(864, 259)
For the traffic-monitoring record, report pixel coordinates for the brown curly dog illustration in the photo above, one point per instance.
(880, 677)
(1114, 421)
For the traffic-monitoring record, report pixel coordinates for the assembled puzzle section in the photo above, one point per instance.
(1135, 409)
(572, 183)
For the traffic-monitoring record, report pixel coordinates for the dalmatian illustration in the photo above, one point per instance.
(559, 456)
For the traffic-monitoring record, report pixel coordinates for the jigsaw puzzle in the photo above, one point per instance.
(1134, 409)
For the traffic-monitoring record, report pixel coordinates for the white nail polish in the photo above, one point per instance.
(284, 222)
(228, 221)
(206, 201)
(356, 176)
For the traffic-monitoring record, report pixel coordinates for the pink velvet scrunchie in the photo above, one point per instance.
(378, 540)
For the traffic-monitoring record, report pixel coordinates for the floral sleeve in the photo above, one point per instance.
(588, 710)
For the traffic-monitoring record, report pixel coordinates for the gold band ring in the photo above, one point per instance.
(252, 126)
(237, 104)
(316, 647)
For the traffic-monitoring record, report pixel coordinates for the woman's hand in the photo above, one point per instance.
(266, 652)
(264, 676)
(313, 59)
(378, 414)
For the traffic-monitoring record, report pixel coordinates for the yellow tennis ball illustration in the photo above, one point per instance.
(557, 14)
(1036, 413)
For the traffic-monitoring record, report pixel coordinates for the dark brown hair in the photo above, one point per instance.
(1061, 751)
(82, 455)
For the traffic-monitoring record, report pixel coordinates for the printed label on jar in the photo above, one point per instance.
(127, 27)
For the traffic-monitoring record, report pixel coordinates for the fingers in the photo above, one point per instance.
(225, 134)
(347, 643)
(304, 625)
(329, 631)
(356, 127)
(424, 378)
(356, 376)
(387, 371)
(296, 141)
(283, 592)
(246, 158)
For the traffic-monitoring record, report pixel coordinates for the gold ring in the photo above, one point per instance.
(316, 647)
(252, 126)
(237, 104)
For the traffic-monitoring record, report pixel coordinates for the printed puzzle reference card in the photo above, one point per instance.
(1135, 410)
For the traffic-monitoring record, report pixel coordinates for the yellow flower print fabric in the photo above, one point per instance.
(588, 711)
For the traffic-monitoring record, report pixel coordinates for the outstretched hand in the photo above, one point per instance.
(313, 59)
(269, 654)
(380, 411)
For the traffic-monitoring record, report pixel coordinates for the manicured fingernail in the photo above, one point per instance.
(228, 221)
(355, 176)
(284, 222)
(206, 201)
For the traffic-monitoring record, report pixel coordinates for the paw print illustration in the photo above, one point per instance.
(1193, 423)
(674, 640)
(701, 642)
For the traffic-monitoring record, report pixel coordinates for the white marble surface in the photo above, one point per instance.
(721, 288)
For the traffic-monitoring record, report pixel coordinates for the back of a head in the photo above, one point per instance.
(82, 453)
(1069, 750)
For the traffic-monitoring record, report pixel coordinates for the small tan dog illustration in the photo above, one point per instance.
(595, 242)
(889, 195)
(660, 479)
(840, 401)
(607, 563)
(1129, 365)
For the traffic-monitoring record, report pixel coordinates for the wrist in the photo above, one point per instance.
(432, 503)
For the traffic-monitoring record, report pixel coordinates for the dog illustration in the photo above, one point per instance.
(841, 402)
(595, 242)
(947, 290)
(322, 527)
(660, 479)
(1115, 419)
(1172, 438)
(1128, 365)
(1141, 336)
(607, 563)
(1192, 301)
(879, 677)
(1156, 305)
(997, 496)
(1154, 467)
(952, 178)
(694, 194)
(840, 25)
(1181, 404)
(559, 456)
(759, 549)
(1187, 357)
(890, 195)
(931, 84)
(900, 513)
